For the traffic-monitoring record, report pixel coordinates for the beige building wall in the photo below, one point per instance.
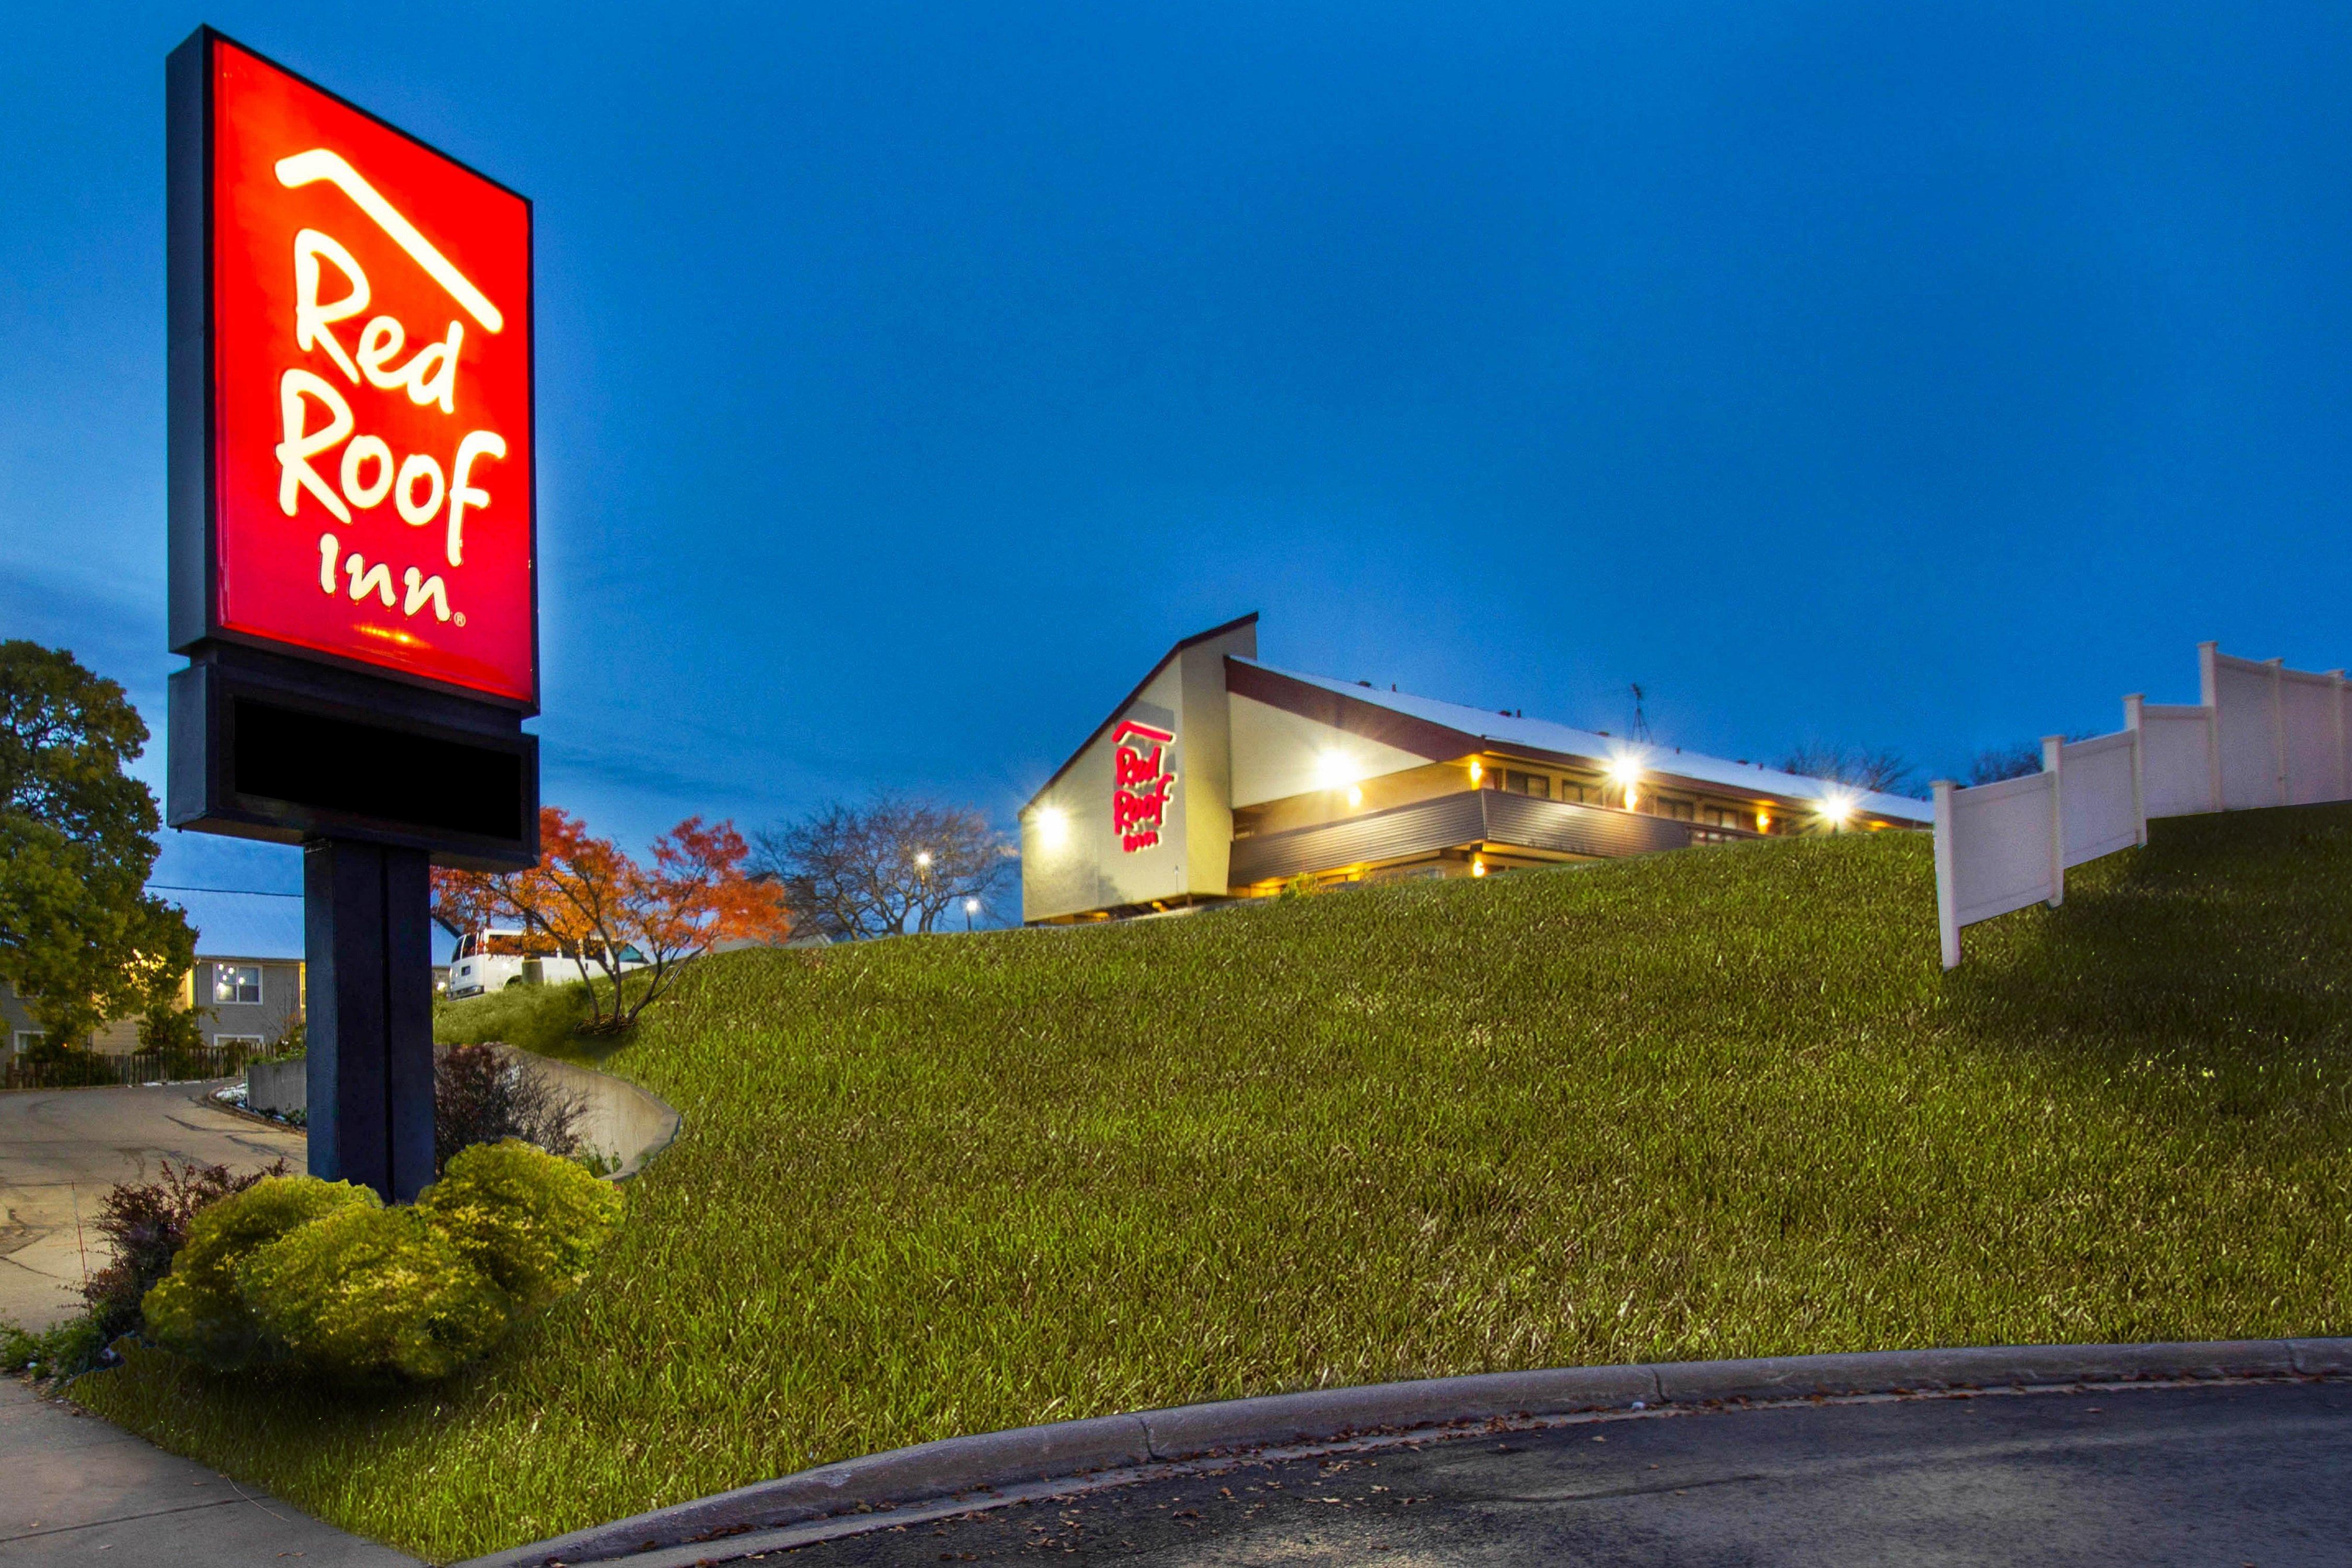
(1072, 856)
(1278, 754)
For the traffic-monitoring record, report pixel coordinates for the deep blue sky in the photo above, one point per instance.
(911, 376)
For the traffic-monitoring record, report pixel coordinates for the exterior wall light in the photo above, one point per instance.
(1838, 807)
(1763, 822)
(1334, 770)
(1476, 770)
(1477, 868)
(1053, 827)
(1625, 772)
(1355, 797)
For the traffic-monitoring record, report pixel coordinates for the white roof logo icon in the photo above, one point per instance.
(318, 163)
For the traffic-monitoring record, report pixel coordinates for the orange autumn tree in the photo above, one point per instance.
(592, 902)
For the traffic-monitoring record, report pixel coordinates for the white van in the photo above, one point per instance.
(494, 960)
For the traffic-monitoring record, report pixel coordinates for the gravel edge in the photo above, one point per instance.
(1068, 1451)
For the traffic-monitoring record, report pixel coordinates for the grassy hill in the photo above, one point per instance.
(1712, 1103)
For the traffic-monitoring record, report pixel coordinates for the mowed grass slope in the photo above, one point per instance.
(1706, 1104)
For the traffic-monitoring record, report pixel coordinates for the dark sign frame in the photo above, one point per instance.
(355, 700)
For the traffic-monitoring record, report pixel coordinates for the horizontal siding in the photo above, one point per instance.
(1414, 829)
(1452, 821)
(1571, 829)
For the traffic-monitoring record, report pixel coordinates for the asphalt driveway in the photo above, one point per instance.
(62, 1150)
(2216, 1475)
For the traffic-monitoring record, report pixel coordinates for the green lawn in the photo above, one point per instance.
(1712, 1103)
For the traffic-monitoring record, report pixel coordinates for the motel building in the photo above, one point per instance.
(1219, 777)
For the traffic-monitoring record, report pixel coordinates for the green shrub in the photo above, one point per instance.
(532, 1223)
(291, 1044)
(323, 1278)
(366, 1291)
(200, 1309)
(75, 1345)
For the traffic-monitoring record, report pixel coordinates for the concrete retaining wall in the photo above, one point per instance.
(278, 1087)
(619, 1121)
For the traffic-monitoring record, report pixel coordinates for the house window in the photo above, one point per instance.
(1680, 810)
(1723, 816)
(1531, 784)
(236, 982)
(1568, 791)
(26, 1040)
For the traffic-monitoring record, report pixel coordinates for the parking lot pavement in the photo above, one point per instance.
(2226, 1475)
(62, 1150)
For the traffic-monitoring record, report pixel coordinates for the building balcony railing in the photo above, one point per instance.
(1464, 818)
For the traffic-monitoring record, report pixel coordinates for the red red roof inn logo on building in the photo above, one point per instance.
(371, 390)
(1139, 786)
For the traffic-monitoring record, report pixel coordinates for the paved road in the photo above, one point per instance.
(62, 1150)
(2215, 1477)
(75, 1490)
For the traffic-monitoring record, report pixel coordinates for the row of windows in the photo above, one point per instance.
(1545, 788)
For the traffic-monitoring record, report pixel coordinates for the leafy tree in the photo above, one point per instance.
(593, 902)
(889, 866)
(1884, 770)
(81, 941)
(168, 1027)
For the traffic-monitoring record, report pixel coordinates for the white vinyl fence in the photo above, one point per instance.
(2261, 735)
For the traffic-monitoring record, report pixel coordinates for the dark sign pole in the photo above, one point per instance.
(367, 934)
(354, 555)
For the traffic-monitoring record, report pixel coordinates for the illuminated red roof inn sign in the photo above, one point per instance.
(1139, 785)
(354, 520)
(369, 391)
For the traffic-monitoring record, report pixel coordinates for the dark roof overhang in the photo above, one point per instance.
(1374, 721)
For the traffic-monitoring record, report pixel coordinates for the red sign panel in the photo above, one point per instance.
(371, 390)
(1140, 784)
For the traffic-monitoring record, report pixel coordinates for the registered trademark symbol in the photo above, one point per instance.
(459, 617)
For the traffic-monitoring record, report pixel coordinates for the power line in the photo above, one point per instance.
(254, 892)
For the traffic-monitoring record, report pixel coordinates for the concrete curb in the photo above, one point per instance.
(1026, 1458)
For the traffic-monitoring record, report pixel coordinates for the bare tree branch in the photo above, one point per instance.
(890, 866)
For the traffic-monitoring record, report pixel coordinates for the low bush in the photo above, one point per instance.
(291, 1045)
(75, 1345)
(482, 1094)
(200, 1309)
(532, 1225)
(323, 1279)
(365, 1291)
(148, 1224)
